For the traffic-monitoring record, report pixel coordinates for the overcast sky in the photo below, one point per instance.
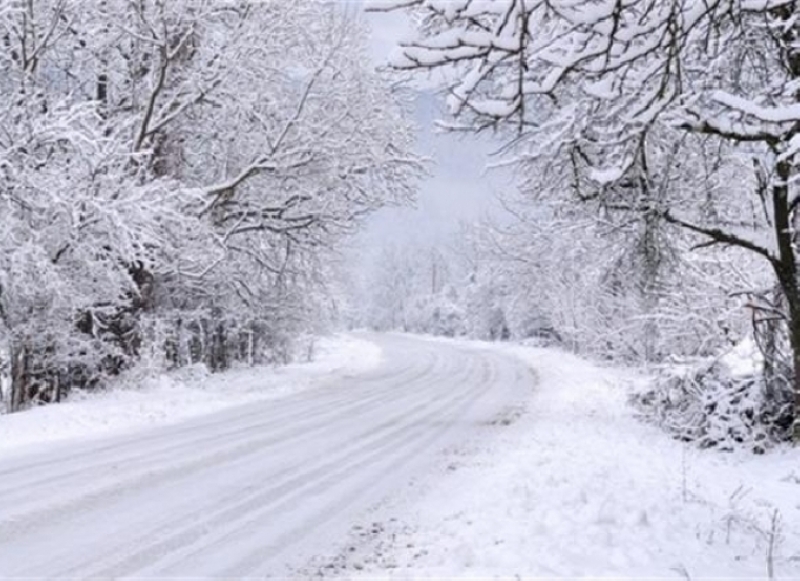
(458, 189)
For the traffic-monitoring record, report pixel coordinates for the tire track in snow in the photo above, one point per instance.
(257, 488)
(116, 464)
(16, 518)
(294, 482)
(253, 563)
(104, 453)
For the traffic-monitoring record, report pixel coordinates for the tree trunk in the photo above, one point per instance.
(19, 378)
(786, 269)
(794, 333)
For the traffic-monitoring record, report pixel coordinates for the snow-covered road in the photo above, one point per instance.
(255, 490)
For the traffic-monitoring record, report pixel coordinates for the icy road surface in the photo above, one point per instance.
(253, 491)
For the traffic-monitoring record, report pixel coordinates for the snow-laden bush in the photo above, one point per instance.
(435, 314)
(723, 402)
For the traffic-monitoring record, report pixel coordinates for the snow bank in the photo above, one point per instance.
(141, 401)
(576, 486)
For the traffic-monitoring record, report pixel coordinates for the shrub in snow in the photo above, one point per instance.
(435, 314)
(717, 403)
(447, 319)
(527, 322)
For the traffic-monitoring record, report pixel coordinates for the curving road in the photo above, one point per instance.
(253, 491)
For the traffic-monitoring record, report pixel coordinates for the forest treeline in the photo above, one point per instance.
(176, 177)
(656, 149)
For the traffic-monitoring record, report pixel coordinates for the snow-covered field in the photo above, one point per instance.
(574, 485)
(142, 400)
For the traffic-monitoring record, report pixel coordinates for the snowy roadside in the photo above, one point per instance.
(141, 402)
(574, 486)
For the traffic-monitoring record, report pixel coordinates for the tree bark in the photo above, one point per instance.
(786, 270)
(19, 378)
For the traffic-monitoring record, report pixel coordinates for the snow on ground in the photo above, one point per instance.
(141, 401)
(574, 485)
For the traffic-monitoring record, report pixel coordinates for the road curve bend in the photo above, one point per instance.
(252, 491)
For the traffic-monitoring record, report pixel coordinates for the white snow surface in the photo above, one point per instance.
(141, 400)
(573, 485)
(449, 459)
(744, 359)
(253, 491)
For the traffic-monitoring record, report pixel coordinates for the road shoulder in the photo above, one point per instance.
(575, 485)
(141, 401)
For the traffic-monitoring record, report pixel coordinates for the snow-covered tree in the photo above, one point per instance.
(615, 89)
(174, 176)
